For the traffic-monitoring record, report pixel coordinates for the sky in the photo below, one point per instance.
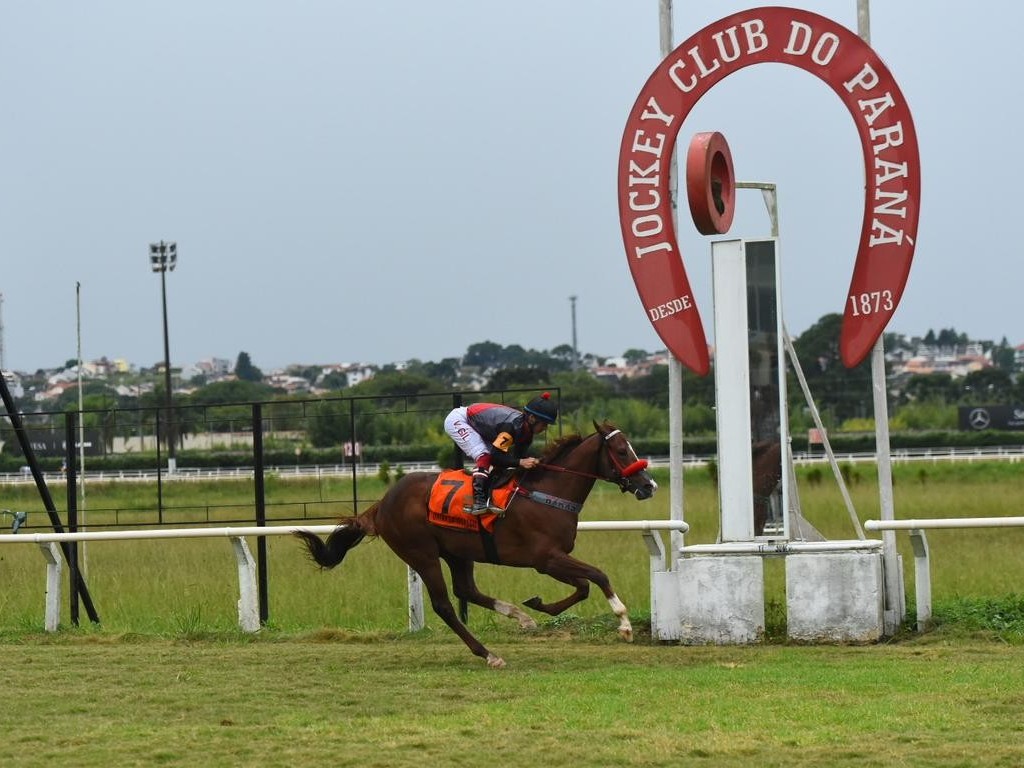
(384, 181)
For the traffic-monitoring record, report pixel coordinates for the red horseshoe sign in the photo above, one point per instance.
(892, 192)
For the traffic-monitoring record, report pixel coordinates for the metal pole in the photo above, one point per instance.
(81, 418)
(575, 350)
(259, 490)
(864, 21)
(44, 492)
(895, 604)
(171, 460)
(675, 368)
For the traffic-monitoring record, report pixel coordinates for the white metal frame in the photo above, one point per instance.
(248, 600)
(919, 543)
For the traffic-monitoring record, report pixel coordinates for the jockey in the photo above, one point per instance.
(498, 435)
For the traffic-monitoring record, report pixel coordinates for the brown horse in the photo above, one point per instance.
(538, 530)
(767, 474)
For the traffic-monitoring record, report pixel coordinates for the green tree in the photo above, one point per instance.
(483, 354)
(1003, 356)
(988, 386)
(931, 388)
(840, 393)
(518, 378)
(241, 391)
(563, 353)
(579, 389)
(445, 373)
(245, 370)
(334, 380)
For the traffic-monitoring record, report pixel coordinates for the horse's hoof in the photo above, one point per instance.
(626, 633)
(534, 603)
(495, 662)
(527, 623)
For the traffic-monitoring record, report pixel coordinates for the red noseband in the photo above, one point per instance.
(637, 466)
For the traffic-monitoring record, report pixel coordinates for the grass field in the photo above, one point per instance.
(167, 679)
(168, 586)
(567, 699)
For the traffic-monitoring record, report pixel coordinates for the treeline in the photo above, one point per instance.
(397, 414)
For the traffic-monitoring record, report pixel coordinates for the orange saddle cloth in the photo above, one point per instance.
(452, 492)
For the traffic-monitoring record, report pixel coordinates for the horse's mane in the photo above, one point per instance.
(564, 444)
(559, 448)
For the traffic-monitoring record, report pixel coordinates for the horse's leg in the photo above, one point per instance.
(465, 588)
(569, 570)
(430, 571)
(760, 513)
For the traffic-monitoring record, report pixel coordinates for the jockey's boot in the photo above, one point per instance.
(481, 481)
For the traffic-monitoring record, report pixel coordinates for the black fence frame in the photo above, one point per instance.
(435, 404)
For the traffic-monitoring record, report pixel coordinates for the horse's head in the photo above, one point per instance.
(619, 463)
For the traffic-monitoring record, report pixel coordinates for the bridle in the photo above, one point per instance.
(625, 472)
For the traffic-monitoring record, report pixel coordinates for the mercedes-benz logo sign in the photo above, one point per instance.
(979, 419)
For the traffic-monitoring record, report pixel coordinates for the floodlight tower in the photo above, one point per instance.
(162, 258)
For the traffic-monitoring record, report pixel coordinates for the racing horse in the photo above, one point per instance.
(537, 530)
(766, 476)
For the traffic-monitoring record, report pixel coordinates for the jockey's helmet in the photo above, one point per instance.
(543, 408)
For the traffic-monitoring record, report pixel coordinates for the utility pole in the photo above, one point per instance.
(575, 350)
(2, 366)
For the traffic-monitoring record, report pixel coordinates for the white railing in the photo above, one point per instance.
(248, 600)
(184, 474)
(919, 543)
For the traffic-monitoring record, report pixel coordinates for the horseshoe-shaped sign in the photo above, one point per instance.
(892, 168)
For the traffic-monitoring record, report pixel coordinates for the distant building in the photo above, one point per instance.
(14, 385)
(214, 367)
(957, 362)
(290, 384)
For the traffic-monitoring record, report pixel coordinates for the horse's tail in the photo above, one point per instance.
(350, 531)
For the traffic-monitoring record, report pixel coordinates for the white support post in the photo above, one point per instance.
(895, 608)
(922, 578)
(417, 619)
(656, 549)
(732, 391)
(248, 598)
(54, 573)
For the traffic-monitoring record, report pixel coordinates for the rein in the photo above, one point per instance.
(574, 507)
(628, 471)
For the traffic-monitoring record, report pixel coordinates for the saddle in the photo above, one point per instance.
(452, 493)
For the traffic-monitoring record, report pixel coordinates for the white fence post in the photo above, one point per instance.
(54, 573)
(417, 619)
(248, 598)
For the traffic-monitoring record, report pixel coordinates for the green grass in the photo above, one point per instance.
(162, 586)
(387, 700)
(334, 679)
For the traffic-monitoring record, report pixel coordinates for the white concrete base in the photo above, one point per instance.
(835, 597)
(715, 595)
(715, 600)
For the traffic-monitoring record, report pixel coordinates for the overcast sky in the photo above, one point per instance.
(380, 181)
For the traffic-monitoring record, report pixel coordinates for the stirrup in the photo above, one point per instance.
(476, 509)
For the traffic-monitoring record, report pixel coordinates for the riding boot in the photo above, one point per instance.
(481, 483)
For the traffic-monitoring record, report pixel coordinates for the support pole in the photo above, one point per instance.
(44, 491)
(261, 510)
(675, 368)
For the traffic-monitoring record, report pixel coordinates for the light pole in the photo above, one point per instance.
(162, 258)
(575, 351)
